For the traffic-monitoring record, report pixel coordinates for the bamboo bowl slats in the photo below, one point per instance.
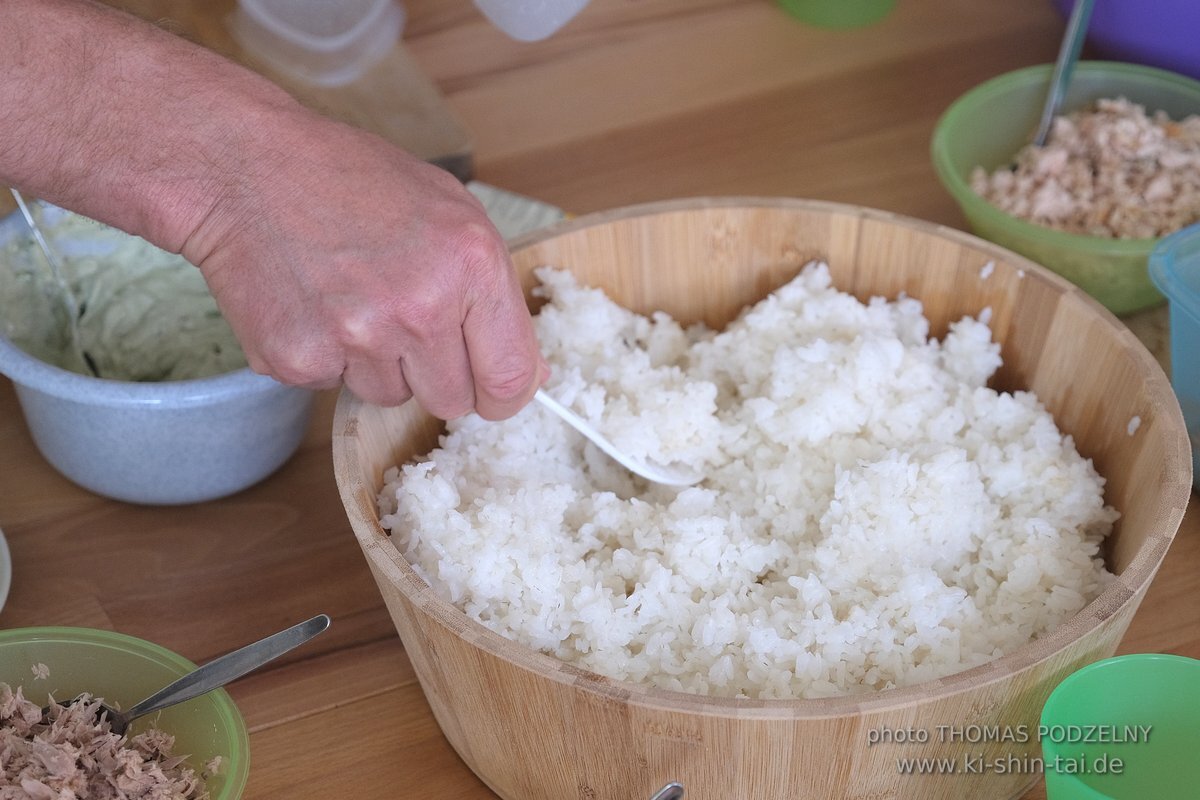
(534, 728)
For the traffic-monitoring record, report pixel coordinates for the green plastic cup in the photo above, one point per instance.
(124, 669)
(839, 13)
(1126, 728)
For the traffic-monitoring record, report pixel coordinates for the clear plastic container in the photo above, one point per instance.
(320, 42)
(530, 20)
(1175, 270)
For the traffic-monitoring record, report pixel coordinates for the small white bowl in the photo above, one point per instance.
(158, 443)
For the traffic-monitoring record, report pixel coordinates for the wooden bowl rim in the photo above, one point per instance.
(1126, 587)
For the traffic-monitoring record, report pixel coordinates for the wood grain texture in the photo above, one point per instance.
(630, 102)
(533, 727)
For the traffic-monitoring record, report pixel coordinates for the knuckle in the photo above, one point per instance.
(482, 253)
(426, 314)
(291, 372)
(422, 310)
(358, 331)
(296, 365)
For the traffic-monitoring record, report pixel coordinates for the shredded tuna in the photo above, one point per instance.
(74, 755)
(1110, 170)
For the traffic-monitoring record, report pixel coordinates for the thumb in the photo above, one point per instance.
(506, 363)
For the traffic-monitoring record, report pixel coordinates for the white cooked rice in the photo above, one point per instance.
(874, 515)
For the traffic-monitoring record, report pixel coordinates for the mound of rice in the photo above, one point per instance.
(873, 516)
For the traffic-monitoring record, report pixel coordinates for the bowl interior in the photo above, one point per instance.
(125, 670)
(707, 264)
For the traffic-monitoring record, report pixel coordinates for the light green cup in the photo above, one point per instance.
(839, 13)
(1147, 707)
(126, 670)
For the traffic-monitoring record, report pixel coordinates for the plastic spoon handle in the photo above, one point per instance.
(229, 667)
(1068, 54)
(671, 476)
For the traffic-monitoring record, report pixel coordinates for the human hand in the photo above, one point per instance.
(338, 257)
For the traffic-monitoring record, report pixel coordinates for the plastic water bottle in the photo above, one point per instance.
(530, 20)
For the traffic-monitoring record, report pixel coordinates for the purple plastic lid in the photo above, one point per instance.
(1159, 33)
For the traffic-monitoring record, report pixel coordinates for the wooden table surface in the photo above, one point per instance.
(631, 102)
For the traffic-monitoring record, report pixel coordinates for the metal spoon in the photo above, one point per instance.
(672, 791)
(58, 274)
(215, 673)
(651, 471)
(1068, 54)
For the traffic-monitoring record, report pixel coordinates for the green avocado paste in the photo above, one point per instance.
(144, 314)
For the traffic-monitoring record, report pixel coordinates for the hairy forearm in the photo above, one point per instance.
(334, 255)
(119, 120)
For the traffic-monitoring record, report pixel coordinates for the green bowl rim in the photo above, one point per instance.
(1003, 83)
(238, 759)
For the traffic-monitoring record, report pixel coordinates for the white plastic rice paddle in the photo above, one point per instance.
(651, 471)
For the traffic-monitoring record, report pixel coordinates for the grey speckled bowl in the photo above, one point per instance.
(158, 443)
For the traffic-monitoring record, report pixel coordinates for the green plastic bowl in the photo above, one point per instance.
(126, 670)
(1147, 707)
(988, 125)
(839, 13)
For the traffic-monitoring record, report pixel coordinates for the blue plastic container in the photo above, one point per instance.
(1175, 270)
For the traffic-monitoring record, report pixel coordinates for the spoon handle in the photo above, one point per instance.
(59, 275)
(669, 475)
(1068, 54)
(229, 667)
(672, 791)
(580, 424)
